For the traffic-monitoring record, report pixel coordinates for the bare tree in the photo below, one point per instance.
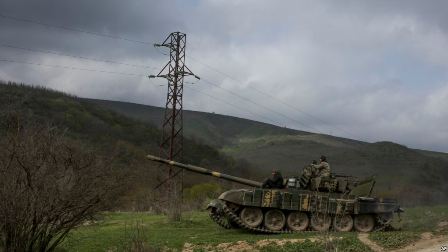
(48, 185)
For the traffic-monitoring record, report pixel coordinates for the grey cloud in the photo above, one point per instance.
(345, 62)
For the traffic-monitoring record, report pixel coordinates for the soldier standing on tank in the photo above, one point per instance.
(275, 182)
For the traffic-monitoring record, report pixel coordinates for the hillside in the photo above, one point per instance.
(128, 132)
(415, 176)
(212, 129)
(124, 139)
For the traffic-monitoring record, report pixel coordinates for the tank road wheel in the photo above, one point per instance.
(297, 221)
(274, 219)
(364, 223)
(343, 223)
(320, 221)
(251, 216)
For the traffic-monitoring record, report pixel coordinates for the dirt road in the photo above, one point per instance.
(428, 243)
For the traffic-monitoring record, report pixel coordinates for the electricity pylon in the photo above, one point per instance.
(171, 144)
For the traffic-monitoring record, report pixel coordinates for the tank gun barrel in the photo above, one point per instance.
(204, 171)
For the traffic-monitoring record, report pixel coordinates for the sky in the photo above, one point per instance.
(368, 70)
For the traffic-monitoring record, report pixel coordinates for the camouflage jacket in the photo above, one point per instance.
(323, 169)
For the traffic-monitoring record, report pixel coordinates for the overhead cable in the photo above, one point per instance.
(61, 27)
(73, 56)
(71, 68)
(234, 106)
(267, 94)
(257, 104)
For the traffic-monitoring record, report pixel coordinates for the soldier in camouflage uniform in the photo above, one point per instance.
(315, 171)
(307, 174)
(323, 168)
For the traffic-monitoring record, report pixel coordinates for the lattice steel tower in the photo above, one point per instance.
(171, 144)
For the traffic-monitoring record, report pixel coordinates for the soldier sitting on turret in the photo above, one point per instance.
(314, 171)
(275, 182)
(323, 168)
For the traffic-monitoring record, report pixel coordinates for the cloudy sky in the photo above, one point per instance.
(369, 70)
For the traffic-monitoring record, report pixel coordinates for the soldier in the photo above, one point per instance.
(275, 182)
(307, 174)
(323, 168)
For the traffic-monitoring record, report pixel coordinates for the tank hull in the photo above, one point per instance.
(373, 213)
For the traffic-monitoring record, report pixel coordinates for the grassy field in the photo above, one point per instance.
(121, 231)
(415, 221)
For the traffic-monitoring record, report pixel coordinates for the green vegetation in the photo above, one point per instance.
(116, 232)
(195, 228)
(415, 221)
(335, 242)
(390, 240)
(349, 243)
(304, 246)
(199, 195)
(413, 176)
(126, 141)
(117, 229)
(425, 218)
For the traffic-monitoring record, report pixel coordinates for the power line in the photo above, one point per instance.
(257, 104)
(127, 74)
(208, 66)
(136, 75)
(71, 68)
(26, 20)
(267, 94)
(234, 106)
(73, 56)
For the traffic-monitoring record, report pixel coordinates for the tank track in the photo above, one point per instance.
(235, 219)
(220, 219)
(232, 217)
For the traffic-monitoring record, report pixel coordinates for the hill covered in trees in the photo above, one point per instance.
(232, 145)
(125, 140)
(414, 176)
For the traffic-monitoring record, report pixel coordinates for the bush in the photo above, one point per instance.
(197, 195)
(48, 186)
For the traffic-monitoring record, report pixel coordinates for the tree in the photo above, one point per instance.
(197, 195)
(48, 185)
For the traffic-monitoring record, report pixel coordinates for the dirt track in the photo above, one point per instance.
(428, 243)
(364, 238)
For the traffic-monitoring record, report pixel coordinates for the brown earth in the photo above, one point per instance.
(364, 238)
(243, 245)
(427, 243)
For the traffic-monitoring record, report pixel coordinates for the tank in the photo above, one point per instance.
(340, 203)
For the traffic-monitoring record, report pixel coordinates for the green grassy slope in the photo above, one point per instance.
(415, 176)
(212, 129)
(110, 133)
(118, 231)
